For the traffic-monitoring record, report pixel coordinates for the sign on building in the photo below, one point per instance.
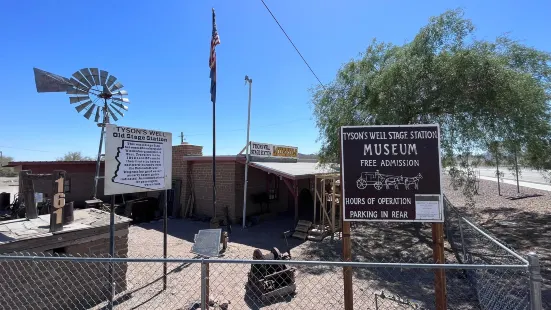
(276, 151)
(137, 160)
(391, 173)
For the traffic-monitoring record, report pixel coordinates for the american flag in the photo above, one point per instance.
(212, 61)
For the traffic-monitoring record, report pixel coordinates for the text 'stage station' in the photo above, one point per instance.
(391, 173)
(137, 160)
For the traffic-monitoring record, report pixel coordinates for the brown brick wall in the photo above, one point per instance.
(181, 167)
(64, 284)
(225, 188)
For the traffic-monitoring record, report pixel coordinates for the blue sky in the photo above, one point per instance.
(159, 51)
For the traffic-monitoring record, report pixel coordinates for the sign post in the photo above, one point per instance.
(392, 173)
(138, 160)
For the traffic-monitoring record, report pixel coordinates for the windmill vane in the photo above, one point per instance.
(91, 90)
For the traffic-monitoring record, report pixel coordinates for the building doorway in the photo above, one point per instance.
(305, 205)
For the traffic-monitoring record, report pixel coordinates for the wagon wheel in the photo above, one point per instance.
(361, 183)
(378, 185)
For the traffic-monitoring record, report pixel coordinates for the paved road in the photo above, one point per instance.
(526, 175)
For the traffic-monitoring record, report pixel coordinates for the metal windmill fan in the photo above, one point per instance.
(90, 86)
(93, 91)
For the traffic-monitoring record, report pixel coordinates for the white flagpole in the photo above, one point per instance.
(250, 81)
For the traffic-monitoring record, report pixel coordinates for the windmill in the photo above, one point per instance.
(93, 92)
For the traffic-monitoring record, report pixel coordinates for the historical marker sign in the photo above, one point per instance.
(391, 173)
(137, 160)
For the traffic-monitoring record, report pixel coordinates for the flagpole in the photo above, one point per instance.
(250, 81)
(215, 40)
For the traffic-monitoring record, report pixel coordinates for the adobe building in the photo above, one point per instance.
(287, 185)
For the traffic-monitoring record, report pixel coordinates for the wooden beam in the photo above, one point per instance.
(26, 188)
(289, 186)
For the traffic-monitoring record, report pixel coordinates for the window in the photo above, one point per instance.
(273, 187)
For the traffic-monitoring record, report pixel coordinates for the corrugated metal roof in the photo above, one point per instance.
(294, 170)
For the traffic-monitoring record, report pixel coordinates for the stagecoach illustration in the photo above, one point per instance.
(387, 181)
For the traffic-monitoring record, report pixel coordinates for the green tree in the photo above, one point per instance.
(74, 156)
(480, 92)
(5, 171)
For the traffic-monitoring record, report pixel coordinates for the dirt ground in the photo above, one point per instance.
(318, 287)
(523, 224)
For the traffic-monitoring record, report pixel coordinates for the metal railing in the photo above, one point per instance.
(59, 282)
(474, 245)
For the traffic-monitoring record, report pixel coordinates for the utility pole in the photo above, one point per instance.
(250, 81)
(181, 137)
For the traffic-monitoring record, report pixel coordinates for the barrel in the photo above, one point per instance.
(4, 200)
(68, 217)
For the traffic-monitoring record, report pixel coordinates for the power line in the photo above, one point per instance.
(280, 27)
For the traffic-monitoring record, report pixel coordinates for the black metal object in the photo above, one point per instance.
(5, 199)
(267, 281)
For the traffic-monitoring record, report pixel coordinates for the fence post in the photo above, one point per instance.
(203, 285)
(462, 241)
(535, 281)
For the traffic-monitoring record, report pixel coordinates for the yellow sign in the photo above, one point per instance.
(285, 151)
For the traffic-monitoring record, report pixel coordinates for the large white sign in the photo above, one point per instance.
(270, 150)
(137, 160)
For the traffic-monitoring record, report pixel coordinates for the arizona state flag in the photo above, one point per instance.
(212, 61)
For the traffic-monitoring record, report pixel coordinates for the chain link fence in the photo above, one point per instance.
(60, 282)
(495, 289)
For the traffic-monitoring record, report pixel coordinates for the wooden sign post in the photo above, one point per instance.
(58, 201)
(26, 179)
(392, 173)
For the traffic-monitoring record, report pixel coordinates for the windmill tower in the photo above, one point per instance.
(92, 91)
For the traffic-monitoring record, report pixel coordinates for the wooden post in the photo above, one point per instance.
(58, 200)
(295, 189)
(439, 274)
(27, 190)
(346, 242)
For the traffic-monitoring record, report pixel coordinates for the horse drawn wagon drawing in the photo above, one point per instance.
(387, 181)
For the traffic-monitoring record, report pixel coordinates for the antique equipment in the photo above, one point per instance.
(269, 281)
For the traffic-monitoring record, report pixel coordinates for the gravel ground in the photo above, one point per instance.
(523, 224)
(317, 286)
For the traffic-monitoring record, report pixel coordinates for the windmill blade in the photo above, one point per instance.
(86, 73)
(96, 118)
(49, 82)
(110, 81)
(121, 99)
(117, 85)
(79, 85)
(117, 110)
(103, 76)
(95, 75)
(120, 105)
(89, 112)
(112, 114)
(83, 106)
(78, 99)
(80, 77)
(76, 91)
(121, 93)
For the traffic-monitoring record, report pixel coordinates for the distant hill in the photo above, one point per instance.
(307, 156)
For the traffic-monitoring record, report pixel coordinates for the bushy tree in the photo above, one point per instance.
(5, 171)
(480, 92)
(74, 156)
